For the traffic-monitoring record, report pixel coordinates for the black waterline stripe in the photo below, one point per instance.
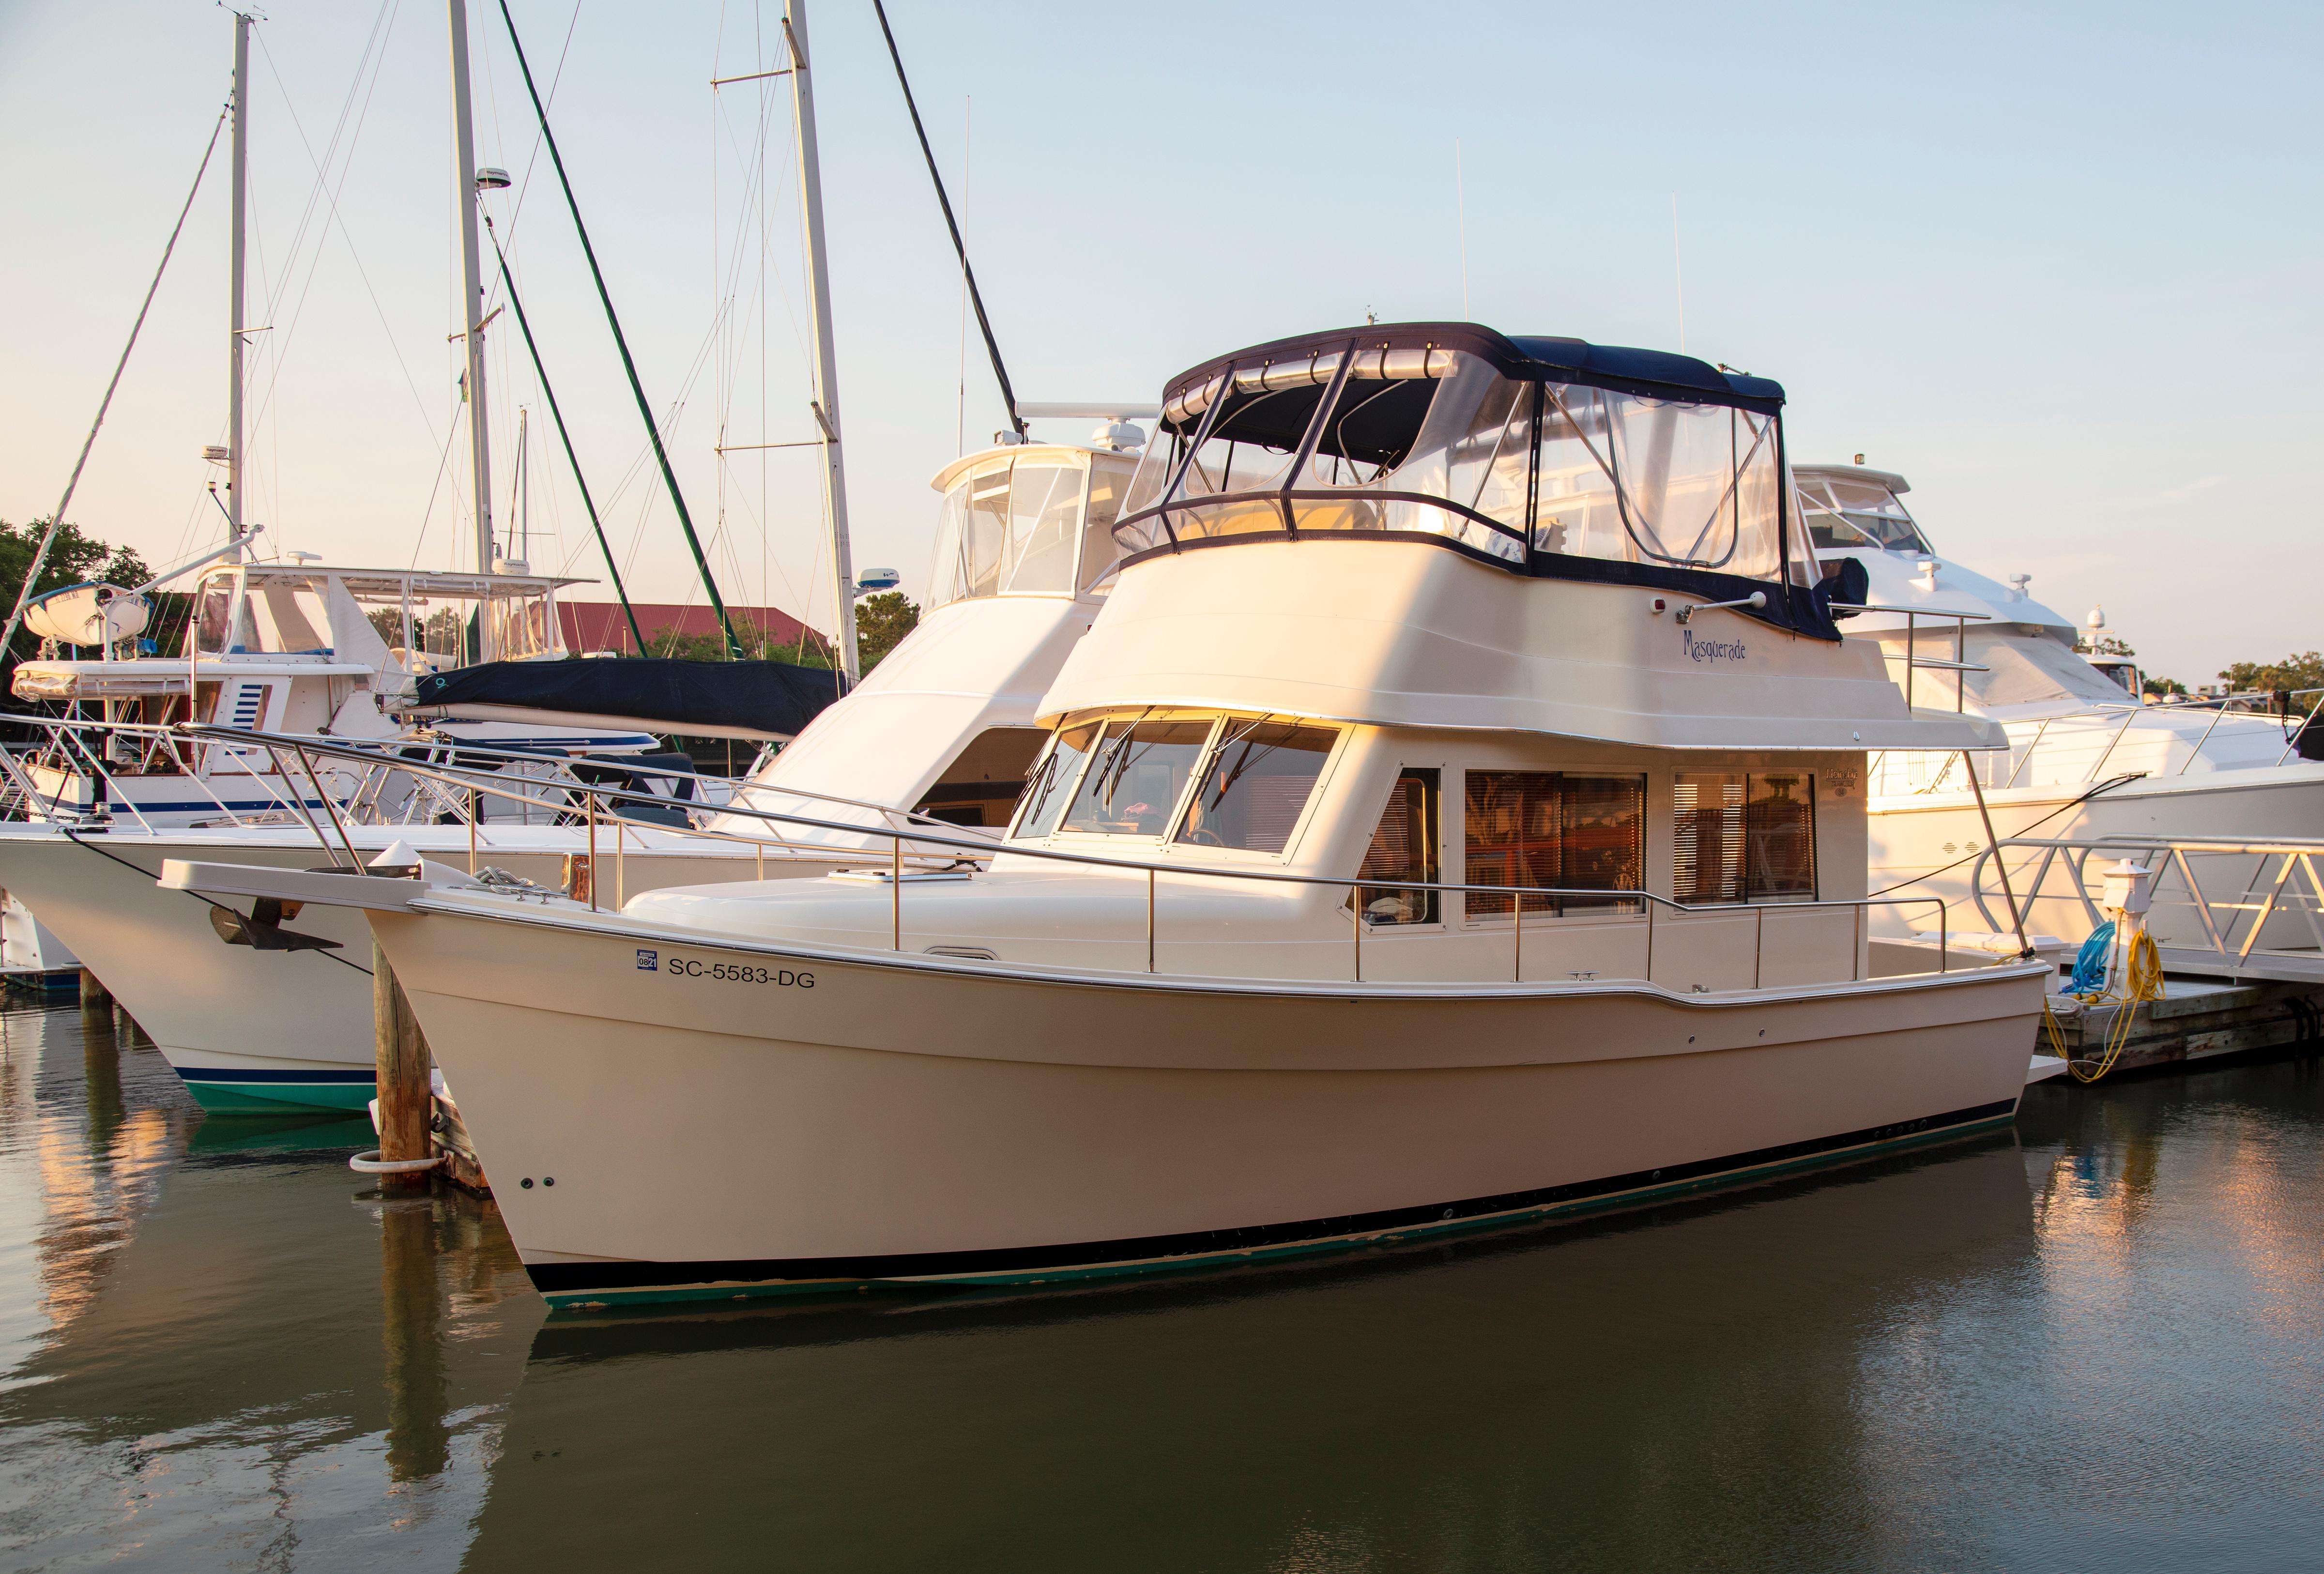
(565, 1278)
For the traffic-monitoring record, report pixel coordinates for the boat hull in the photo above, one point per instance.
(248, 1028)
(667, 1120)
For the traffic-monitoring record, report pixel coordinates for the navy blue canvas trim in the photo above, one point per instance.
(1652, 373)
(564, 1278)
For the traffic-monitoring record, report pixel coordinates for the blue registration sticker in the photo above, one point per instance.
(646, 960)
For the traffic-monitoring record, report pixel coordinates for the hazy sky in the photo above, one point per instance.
(2060, 269)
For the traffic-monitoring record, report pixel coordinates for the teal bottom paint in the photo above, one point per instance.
(280, 1098)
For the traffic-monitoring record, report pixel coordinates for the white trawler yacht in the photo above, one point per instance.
(264, 1005)
(1454, 815)
(290, 647)
(2086, 757)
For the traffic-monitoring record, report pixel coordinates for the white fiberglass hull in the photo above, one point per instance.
(667, 1119)
(259, 1029)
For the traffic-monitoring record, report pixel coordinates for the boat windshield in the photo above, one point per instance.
(1038, 523)
(1237, 783)
(1440, 442)
(1842, 514)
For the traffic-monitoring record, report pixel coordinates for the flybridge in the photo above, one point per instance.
(1549, 457)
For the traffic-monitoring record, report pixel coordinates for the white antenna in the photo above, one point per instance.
(967, 144)
(521, 503)
(1678, 270)
(1460, 203)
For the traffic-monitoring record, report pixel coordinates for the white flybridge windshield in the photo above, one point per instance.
(1848, 509)
(418, 621)
(1552, 457)
(1035, 519)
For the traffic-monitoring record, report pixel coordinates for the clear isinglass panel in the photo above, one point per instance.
(1045, 506)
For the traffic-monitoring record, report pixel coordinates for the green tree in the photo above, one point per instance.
(2104, 645)
(2163, 685)
(882, 621)
(74, 558)
(2293, 673)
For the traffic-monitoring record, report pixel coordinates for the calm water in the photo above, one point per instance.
(2096, 1345)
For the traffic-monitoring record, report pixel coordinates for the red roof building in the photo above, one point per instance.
(599, 626)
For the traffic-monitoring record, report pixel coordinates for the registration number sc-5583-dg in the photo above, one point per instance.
(731, 973)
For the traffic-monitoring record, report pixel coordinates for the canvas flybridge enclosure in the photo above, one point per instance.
(1033, 519)
(1463, 530)
(310, 619)
(1546, 457)
(420, 622)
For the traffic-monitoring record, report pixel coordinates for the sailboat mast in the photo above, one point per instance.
(472, 294)
(826, 368)
(235, 325)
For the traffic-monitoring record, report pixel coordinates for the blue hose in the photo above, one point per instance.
(2090, 963)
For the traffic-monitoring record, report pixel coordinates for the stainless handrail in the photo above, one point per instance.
(923, 840)
(2073, 854)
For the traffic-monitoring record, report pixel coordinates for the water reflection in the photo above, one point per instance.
(2098, 1343)
(224, 1350)
(1680, 1388)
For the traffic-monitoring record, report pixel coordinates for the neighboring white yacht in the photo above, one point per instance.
(265, 1005)
(289, 648)
(1452, 818)
(2086, 757)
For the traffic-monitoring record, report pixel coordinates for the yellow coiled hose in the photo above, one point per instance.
(2143, 982)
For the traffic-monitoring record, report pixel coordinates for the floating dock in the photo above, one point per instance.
(2197, 1019)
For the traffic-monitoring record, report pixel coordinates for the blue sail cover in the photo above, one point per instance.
(769, 698)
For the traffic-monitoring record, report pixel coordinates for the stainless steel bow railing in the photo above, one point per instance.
(922, 849)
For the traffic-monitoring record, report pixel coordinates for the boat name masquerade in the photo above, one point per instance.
(1702, 650)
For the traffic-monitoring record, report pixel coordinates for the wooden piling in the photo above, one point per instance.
(95, 999)
(406, 1099)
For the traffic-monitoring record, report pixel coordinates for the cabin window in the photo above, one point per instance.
(1258, 781)
(1555, 831)
(1050, 787)
(1136, 777)
(1403, 850)
(290, 617)
(1743, 838)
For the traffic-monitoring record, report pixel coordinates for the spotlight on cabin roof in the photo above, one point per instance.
(1859, 458)
(489, 179)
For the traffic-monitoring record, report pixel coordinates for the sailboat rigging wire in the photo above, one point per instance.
(984, 324)
(73, 482)
(557, 414)
(620, 343)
